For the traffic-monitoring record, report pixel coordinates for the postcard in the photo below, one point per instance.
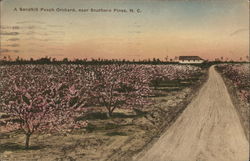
(124, 80)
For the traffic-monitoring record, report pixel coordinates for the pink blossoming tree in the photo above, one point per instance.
(41, 103)
(120, 86)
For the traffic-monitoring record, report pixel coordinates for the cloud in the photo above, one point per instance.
(30, 33)
(45, 39)
(57, 32)
(54, 25)
(13, 39)
(37, 45)
(36, 50)
(8, 51)
(35, 33)
(12, 45)
(32, 27)
(18, 27)
(55, 49)
(9, 33)
(30, 22)
(15, 51)
(239, 31)
(36, 39)
(10, 27)
(4, 50)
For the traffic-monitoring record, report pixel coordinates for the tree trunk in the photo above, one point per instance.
(27, 141)
(109, 113)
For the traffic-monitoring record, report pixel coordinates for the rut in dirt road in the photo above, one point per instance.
(209, 129)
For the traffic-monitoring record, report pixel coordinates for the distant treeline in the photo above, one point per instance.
(85, 61)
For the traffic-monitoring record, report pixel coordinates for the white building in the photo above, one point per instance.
(190, 60)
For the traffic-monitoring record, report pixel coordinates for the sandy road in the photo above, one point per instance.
(208, 130)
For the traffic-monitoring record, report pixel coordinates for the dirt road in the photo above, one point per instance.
(208, 130)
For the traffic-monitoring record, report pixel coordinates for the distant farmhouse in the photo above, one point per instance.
(190, 60)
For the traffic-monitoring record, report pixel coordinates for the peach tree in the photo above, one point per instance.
(120, 86)
(38, 101)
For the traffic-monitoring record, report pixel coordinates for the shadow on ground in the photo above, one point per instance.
(16, 147)
(103, 116)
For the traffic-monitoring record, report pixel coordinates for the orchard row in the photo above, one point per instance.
(48, 98)
(239, 75)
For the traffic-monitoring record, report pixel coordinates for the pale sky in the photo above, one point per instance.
(206, 28)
